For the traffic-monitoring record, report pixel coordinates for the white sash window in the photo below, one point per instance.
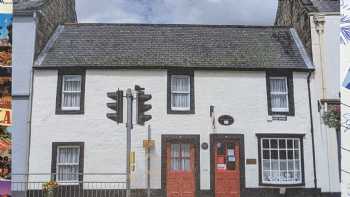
(281, 161)
(180, 92)
(71, 92)
(279, 94)
(68, 164)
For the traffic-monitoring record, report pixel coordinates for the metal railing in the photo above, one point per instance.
(72, 185)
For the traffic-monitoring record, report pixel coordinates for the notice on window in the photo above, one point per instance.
(221, 166)
(231, 155)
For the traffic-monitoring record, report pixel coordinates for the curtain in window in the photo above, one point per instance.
(68, 163)
(281, 161)
(279, 94)
(71, 91)
(180, 87)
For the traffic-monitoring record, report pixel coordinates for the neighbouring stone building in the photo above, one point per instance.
(34, 22)
(317, 23)
(296, 13)
(48, 14)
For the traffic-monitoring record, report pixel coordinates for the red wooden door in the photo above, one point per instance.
(180, 181)
(227, 169)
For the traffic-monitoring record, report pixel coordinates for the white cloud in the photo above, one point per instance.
(244, 12)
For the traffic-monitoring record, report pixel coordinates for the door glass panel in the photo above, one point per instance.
(185, 150)
(180, 157)
(175, 153)
(220, 149)
(231, 157)
(185, 157)
(186, 164)
(175, 150)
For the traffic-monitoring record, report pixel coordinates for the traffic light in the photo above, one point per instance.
(116, 106)
(141, 98)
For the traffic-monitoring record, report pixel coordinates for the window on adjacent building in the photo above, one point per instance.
(70, 92)
(280, 93)
(281, 160)
(67, 162)
(180, 92)
(180, 157)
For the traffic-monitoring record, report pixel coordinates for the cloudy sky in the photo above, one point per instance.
(237, 12)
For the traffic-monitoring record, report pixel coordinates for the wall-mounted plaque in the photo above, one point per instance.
(204, 146)
(251, 161)
(226, 120)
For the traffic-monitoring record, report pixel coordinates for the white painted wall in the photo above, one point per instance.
(240, 94)
(23, 52)
(326, 53)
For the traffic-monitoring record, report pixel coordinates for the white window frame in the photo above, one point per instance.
(300, 170)
(66, 182)
(274, 109)
(173, 77)
(63, 108)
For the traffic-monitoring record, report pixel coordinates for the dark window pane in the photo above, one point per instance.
(296, 154)
(290, 143)
(283, 154)
(266, 154)
(282, 143)
(220, 148)
(274, 154)
(283, 165)
(230, 146)
(273, 143)
(266, 144)
(231, 165)
(290, 154)
(296, 143)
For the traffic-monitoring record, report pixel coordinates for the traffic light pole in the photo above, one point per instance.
(149, 164)
(141, 118)
(129, 99)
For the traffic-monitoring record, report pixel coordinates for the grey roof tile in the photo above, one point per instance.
(21, 7)
(164, 46)
(327, 5)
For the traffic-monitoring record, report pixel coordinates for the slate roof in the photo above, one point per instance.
(322, 5)
(27, 7)
(166, 46)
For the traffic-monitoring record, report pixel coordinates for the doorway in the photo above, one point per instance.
(180, 163)
(227, 165)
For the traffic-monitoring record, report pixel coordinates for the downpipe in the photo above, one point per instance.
(312, 130)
